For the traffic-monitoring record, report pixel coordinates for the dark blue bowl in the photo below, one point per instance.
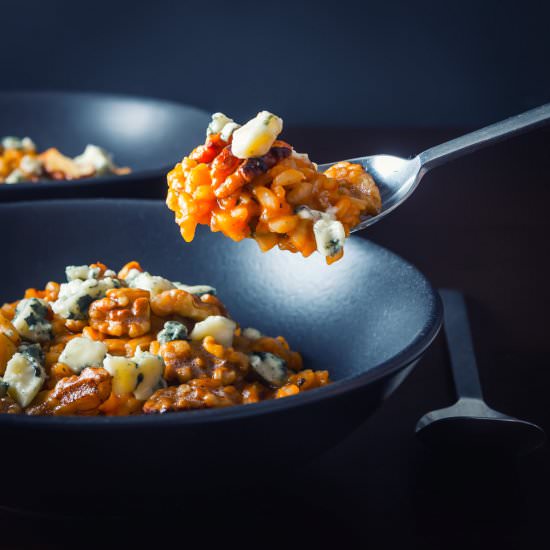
(148, 135)
(367, 319)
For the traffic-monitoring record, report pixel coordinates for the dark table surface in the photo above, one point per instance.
(480, 224)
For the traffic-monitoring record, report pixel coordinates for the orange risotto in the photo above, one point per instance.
(245, 182)
(104, 343)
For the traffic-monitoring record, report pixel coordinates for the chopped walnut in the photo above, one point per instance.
(182, 303)
(215, 301)
(123, 312)
(200, 394)
(187, 360)
(79, 395)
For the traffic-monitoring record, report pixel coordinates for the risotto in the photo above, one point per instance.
(20, 162)
(104, 343)
(244, 182)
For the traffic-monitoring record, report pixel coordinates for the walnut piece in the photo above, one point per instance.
(123, 312)
(77, 395)
(9, 406)
(180, 302)
(200, 394)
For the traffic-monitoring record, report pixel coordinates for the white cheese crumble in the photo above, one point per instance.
(16, 176)
(150, 369)
(219, 121)
(82, 272)
(81, 352)
(24, 376)
(132, 274)
(329, 236)
(12, 142)
(124, 372)
(197, 290)
(228, 129)
(31, 321)
(220, 328)
(307, 213)
(328, 231)
(76, 296)
(30, 166)
(153, 283)
(256, 137)
(97, 157)
(270, 367)
(252, 333)
(140, 375)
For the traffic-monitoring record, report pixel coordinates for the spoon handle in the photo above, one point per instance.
(459, 343)
(480, 138)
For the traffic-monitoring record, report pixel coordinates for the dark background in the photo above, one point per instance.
(371, 63)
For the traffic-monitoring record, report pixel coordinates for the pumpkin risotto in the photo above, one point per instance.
(104, 343)
(245, 182)
(20, 162)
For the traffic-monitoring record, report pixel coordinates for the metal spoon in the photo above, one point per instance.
(470, 422)
(397, 178)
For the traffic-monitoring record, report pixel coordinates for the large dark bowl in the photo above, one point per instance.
(148, 135)
(366, 319)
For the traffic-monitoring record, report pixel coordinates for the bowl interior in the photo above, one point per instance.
(144, 134)
(366, 310)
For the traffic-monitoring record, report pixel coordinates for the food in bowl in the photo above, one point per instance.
(245, 182)
(106, 343)
(20, 162)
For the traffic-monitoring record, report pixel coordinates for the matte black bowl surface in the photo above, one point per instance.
(148, 135)
(366, 319)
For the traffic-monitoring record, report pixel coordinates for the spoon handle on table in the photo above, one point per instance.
(460, 346)
(480, 138)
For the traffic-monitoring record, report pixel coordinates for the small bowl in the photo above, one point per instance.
(147, 135)
(367, 319)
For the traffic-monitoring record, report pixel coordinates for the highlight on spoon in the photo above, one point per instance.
(246, 183)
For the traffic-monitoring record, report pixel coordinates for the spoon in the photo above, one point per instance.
(470, 422)
(397, 178)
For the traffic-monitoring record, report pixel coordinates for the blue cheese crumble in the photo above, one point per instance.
(81, 352)
(98, 158)
(220, 328)
(257, 136)
(328, 231)
(196, 290)
(145, 281)
(76, 296)
(140, 375)
(25, 374)
(31, 321)
(329, 236)
(171, 331)
(81, 272)
(270, 367)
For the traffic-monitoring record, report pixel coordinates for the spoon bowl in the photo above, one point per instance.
(397, 178)
(470, 423)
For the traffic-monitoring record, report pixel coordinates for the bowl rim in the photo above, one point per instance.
(149, 173)
(338, 388)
